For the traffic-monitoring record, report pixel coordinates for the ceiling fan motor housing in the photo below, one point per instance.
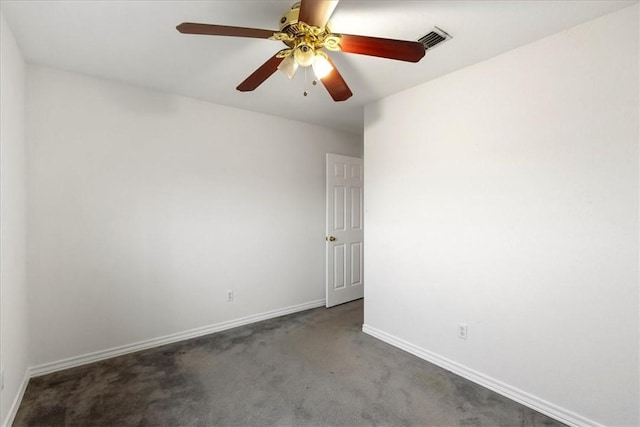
(303, 38)
(289, 19)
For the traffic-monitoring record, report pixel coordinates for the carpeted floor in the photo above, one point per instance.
(310, 368)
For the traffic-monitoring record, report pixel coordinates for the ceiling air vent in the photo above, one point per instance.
(434, 38)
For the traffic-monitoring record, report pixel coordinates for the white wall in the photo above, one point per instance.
(145, 208)
(13, 284)
(505, 196)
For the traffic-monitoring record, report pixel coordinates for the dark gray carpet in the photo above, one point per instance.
(310, 368)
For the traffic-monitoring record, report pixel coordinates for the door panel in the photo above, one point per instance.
(339, 196)
(356, 263)
(356, 205)
(339, 266)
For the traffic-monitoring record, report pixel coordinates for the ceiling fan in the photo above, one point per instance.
(307, 34)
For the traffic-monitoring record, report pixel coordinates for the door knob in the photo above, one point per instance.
(331, 239)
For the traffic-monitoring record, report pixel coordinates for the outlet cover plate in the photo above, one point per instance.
(462, 331)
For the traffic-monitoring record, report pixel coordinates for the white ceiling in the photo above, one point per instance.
(135, 42)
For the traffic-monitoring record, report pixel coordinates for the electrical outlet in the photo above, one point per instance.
(229, 295)
(462, 331)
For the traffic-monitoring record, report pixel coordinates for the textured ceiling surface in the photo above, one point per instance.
(135, 42)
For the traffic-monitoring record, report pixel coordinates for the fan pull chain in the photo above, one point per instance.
(313, 82)
(305, 82)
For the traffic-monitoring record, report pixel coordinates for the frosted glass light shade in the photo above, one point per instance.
(288, 66)
(304, 55)
(321, 65)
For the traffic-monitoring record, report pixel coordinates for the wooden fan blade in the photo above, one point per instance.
(260, 75)
(316, 12)
(335, 84)
(223, 30)
(401, 50)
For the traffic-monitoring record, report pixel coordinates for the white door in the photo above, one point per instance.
(344, 229)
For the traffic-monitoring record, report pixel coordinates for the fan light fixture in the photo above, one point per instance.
(305, 45)
(306, 56)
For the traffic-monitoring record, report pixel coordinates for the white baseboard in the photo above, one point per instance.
(84, 359)
(526, 399)
(16, 402)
